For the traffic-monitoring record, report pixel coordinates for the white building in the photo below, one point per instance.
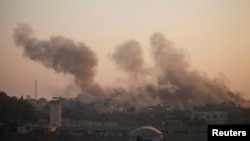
(55, 112)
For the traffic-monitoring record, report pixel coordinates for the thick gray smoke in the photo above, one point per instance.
(62, 55)
(177, 83)
(171, 79)
(128, 58)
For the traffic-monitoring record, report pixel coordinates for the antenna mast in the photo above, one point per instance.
(35, 89)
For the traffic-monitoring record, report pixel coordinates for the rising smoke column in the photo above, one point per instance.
(177, 83)
(128, 58)
(60, 54)
(172, 80)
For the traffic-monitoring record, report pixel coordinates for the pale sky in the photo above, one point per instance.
(215, 33)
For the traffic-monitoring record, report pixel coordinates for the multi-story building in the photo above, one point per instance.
(55, 112)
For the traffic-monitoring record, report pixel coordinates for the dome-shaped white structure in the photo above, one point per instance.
(145, 133)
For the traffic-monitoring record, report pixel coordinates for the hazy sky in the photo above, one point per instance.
(215, 33)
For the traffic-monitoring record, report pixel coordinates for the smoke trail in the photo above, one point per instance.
(62, 55)
(128, 58)
(177, 83)
(171, 79)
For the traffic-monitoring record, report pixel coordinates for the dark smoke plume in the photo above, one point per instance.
(174, 82)
(170, 81)
(128, 58)
(62, 55)
(177, 83)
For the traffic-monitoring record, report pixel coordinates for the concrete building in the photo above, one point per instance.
(39, 104)
(55, 112)
(172, 123)
(108, 105)
(215, 117)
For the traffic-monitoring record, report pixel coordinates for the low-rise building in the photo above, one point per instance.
(215, 117)
(108, 105)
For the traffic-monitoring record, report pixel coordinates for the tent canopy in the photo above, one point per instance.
(145, 131)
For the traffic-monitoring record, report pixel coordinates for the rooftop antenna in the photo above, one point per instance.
(134, 102)
(35, 89)
(134, 108)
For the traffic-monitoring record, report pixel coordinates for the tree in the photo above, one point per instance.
(13, 109)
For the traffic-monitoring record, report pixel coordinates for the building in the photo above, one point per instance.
(214, 117)
(108, 105)
(172, 123)
(55, 112)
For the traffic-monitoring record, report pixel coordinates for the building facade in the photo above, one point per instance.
(55, 112)
(215, 117)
